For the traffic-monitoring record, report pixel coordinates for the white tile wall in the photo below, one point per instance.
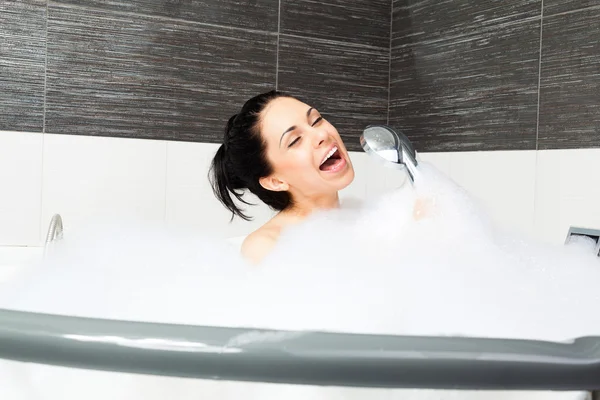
(567, 192)
(378, 177)
(502, 182)
(88, 179)
(97, 179)
(441, 161)
(20, 188)
(191, 203)
(358, 188)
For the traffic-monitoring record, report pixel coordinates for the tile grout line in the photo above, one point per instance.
(277, 56)
(537, 128)
(45, 72)
(390, 60)
(535, 190)
(41, 205)
(166, 181)
(41, 220)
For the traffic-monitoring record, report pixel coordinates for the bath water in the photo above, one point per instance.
(372, 270)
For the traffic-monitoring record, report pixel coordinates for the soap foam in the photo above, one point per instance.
(371, 270)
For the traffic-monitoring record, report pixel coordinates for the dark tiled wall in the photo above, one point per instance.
(177, 70)
(570, 79)
(467, 75)
(459, 74)
(139, 76)
(22, 59)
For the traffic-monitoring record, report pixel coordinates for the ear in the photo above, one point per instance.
(273, 184)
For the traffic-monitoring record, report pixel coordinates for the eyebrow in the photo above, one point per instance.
(291, 128)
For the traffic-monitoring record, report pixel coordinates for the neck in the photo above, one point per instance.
(307, 206)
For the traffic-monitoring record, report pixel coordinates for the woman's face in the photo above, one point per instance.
(308, 156)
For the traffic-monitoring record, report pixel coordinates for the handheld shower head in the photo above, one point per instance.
(391, 147)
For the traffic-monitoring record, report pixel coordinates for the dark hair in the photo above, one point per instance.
(241, 160)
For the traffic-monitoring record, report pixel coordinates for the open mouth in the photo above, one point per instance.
(332, 160)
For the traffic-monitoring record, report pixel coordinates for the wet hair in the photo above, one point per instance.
(241, 160)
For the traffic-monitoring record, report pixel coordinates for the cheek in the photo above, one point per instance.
(295, 167)
(301, 161)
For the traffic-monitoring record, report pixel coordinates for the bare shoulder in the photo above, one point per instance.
(259, 243)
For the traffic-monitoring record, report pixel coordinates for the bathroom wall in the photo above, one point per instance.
(490, 75)
(176, 70)
(112, 110)
(505, 97)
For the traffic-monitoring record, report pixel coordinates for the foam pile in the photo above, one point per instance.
(375, 270)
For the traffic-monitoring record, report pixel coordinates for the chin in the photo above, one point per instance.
(347, 178)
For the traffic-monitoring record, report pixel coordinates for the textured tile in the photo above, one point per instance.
(570, 81)
(252, 14)
(357, 21)
(425, 20)
(22, 63)
(132, 76)
(346, 82)
(552, 7)
(476, 92)
(91, 180)
(21, 186)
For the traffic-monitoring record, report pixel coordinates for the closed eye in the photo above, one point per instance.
(299, 137)
(294, 142)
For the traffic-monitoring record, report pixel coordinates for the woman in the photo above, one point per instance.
(289, 156)
(284, 152)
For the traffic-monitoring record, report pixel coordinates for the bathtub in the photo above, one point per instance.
(300, 358)
(236, 241)
(317, 359)
(15, 258)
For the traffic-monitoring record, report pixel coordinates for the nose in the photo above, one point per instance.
(319, 137)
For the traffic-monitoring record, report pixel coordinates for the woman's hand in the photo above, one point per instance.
(423, 208)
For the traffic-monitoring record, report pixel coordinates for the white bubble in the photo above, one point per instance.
(370, 270)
